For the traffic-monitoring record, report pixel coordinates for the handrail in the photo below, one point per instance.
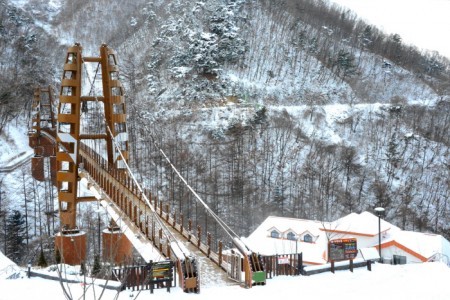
(122, 188)
(441, 257)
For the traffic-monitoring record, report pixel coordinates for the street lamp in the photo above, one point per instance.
(379, 211)
(29, 269)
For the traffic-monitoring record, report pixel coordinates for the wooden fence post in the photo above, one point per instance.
(209, 244)
(220, 252)
(199, 235)
(300, 264)
(153, 232)
(181, 223)
(189, 229)
(160, 238)
(276, 265)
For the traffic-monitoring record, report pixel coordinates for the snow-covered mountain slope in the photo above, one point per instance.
(296, 109)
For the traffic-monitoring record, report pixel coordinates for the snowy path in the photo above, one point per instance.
(210, 273)
(16, 161)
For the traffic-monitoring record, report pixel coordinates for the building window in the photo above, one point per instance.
(291, 236)
(399, 260)
(274, 234)
(307, 238)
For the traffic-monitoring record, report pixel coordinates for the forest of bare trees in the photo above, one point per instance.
(272, 168)
(269, 164)
(213, 83)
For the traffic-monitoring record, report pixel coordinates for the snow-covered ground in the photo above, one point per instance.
(14, 143)
(414, 281)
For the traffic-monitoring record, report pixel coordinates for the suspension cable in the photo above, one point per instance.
(222, 224)
(91, 90)
(167, 233)
(129, 170)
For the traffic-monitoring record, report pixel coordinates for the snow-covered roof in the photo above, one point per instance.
(5, 261)
(284, 225)
(370, 253)
(421, 245)
(365, 224)
(7, 267)
(313, 253)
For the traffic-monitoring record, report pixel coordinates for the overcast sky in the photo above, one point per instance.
(424, 23)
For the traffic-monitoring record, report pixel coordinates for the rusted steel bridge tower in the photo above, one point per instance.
(42, 132)
(109, 132)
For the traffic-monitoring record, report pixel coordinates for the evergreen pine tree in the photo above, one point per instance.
(97, 266)
(345, 64)
(260, 116)
(42, 262)
(57, 256)
(82, 269)
(15, 229)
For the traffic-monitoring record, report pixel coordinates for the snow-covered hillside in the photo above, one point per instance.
(312, 120)
(263, 108)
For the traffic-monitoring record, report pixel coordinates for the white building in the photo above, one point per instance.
(279, 236)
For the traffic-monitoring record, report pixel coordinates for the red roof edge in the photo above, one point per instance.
(404, 248)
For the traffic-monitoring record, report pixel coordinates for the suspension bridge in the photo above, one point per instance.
(83, 139)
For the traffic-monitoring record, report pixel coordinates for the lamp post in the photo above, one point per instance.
(379, 211)
(29, 269)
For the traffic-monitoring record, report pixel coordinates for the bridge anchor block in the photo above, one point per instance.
(71, 247)
(116, 246)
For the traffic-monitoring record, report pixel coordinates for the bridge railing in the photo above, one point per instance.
(126, 194)
(192, 236)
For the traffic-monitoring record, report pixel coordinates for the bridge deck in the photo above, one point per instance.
(151, 244)
(210, 273)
